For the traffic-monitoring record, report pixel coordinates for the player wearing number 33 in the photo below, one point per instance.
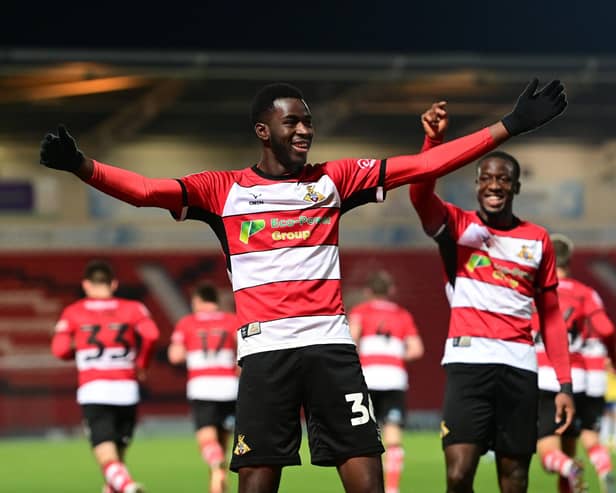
(111, 340)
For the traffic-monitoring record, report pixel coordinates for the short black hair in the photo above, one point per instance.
(380, 282)
(563, 249)
(99, 272)
(206, 291)
(265, 97)
(505, 157)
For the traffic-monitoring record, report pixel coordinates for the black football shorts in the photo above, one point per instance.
(491, 405)
(327, 382)
(220, 414)
(389, 406)
(106, 423)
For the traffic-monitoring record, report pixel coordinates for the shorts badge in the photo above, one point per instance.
(242, 447)
(444, 430)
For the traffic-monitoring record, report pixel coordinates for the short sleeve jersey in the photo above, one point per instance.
(210, 341)
(385, 326)
(106, 346)
(280, 239)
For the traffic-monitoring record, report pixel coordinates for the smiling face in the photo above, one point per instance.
(496, 184)
(287, 131)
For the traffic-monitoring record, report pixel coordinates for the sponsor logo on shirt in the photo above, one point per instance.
(500, 272)
(299, 221)
(312, 195)
(290, 235)
(250, 228)
(256, 200)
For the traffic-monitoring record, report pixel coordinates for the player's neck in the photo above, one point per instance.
(502, 220)
(270, 166)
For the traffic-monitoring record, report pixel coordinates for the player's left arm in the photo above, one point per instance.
(149, 333)
(598, 322)
(355, 326)
(414, 348)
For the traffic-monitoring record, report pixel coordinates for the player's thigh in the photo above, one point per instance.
(339, 413)
(99, 421)
(468, 406)
(267, 428)
(517, 409)
(125, 421)
(393, 408)
(590, 410)
(218, 414)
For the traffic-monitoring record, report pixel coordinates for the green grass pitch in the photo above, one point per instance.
(173, 465)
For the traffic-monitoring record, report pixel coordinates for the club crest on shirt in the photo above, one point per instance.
(525, 253)
(313, 195)
(242, 447)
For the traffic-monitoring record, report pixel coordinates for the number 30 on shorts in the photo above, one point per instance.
(357, 407)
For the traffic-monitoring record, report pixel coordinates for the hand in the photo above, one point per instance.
(565, 409)
(435, 121)
(60, 151)
(533, 110)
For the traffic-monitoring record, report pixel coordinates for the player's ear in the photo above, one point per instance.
(516, 187)
(114, 285)
(262, 130)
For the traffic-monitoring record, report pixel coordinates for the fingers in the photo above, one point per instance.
(551, 88)
(563, 412)
(531, 88)
(62, 132)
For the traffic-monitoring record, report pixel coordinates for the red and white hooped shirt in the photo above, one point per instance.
(495, 275)
(111, 338)
(210, 341)
(385, 326)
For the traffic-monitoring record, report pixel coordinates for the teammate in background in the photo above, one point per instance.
(111, 340)
(386, 337)
(277, 222)
(608, 421)
(597, 330)
(557, 451)
(206, 341)
(496, 265)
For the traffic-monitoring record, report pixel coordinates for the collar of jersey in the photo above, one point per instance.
(267, 176)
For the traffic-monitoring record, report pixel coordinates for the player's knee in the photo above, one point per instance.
(459, 479)
(213, 454)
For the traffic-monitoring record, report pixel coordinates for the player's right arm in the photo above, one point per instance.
(62, 345)
(355, 326)
(176, 352)
(60, 152)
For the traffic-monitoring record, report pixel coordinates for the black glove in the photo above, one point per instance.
(533, 110)
(60, 151)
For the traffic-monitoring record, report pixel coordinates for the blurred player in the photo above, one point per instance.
(277, 222)
(595, 329)
(386, 338)
(608, 421)
(496, 265)
(206, 341)
(111, 340)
